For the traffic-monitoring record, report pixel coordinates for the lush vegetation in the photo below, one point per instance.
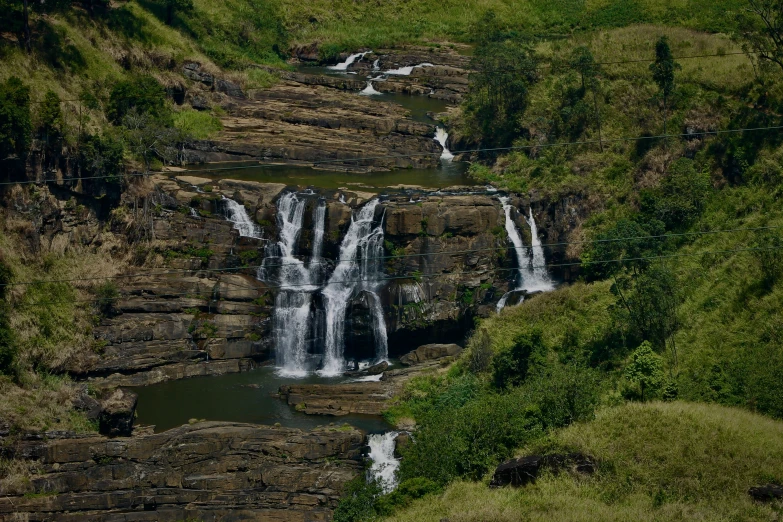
(657, 461)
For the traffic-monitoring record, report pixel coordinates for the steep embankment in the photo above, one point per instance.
(655, 461)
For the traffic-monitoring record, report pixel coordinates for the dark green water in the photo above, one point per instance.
(448, 174)
(237, 397)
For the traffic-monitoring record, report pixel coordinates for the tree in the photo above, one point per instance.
(645, 371)
(583, 62)
(681, 196)
(652, 307)
(510, 367)
(761, 27)
(150, 138)
(624, 247)
(504, 70)
(51, 126)
(101, 156)
(15, 126)
(173, 6)
(663, 72)
(144, 94)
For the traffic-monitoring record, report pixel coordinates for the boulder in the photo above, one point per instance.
(377, 369)
(229, 88)
(118, 412)
(430, 352)
(517, 472)
(83, 402)
(766, 493)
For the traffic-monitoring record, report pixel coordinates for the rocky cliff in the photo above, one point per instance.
(208, 471)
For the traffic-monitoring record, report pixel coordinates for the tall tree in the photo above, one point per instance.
(663, 72)
(504, 70)
(15, 126)
(583, 62)
(761, 26)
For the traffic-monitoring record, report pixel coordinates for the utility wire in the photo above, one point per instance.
(429, 276)
(409, 155)
(390, 257)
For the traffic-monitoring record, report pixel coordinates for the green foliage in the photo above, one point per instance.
(8, 347)
(358, 500)
(664, 67)
(106, 295)
(504, 70)
(651, 305)
(142, 93)
(248, 257)
(50, 118)
(102, 155)
(510, 366)
(196, 124)
(769, 253)
(761, 27)
(408, 491)
(624, 245)
(15, 126)
(681, 196)
(644, 373)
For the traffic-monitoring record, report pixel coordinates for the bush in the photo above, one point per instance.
(680, 198)
(102, 156)
(144, 94)
(510, 367)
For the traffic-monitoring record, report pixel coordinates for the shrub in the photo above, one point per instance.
(644, 373)
(15, 126)
(143, 93)
(510, 367)
(680, 198)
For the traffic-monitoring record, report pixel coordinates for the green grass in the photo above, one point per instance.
(656, 462)
(199, 125)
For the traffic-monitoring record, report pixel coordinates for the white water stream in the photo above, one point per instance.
(531, 270)
(384, 465)
(441, 136)
(238, 215)
(359, 269)
(343, 66)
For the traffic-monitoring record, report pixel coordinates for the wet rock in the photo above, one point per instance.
(377, 369)
(118, 412)
(766, 493)
(430, 352)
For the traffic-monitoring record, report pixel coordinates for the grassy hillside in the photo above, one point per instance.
(656, 462)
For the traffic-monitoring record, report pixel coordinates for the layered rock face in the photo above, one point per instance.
(208, 471)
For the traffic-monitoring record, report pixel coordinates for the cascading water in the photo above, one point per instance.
(376, 65)
(540, 280)
(292, 312)
(319, 223)
(237, 214)
(406, 71)
(384, 465)
(441, 136)
(369, 90)
(343, 66)
(531, 272)
(359, 269)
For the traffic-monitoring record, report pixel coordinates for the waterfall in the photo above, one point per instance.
(193, 212)
(347, 63)
(291, 316)
(540, 280)
(384, 465)
(237, 214)
(376, 65)
(318, 234)
(406, 71)
(359, 268)
(441, 136)
(369, 90)
(531, 272)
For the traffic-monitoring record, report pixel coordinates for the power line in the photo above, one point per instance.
(389, 257)
(411, 155)
(441, 275)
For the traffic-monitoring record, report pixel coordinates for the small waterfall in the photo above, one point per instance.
(237, 214)
(359, 269)
(319, 222)
(193, 212)
(376, 65)
(384, 465)
(291, 317)
(369, 90)
(531, 272)
(349, 61)
(406, 71)
(540, 280)
(441, 136)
